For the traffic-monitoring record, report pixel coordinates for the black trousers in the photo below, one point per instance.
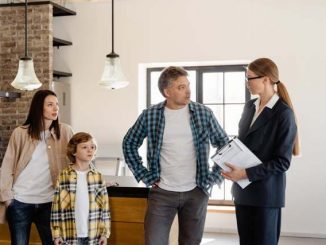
(258, 225)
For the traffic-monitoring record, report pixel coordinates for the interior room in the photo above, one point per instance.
(150, 34)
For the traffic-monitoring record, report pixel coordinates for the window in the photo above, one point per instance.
(223, 90)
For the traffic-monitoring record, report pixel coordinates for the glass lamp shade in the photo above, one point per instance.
(26, 78)
(112, 77)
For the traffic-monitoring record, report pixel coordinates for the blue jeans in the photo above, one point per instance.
(20, 217)
(191, 207)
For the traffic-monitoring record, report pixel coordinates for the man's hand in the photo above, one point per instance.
(235, 173)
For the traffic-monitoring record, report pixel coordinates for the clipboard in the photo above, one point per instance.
(235, 152)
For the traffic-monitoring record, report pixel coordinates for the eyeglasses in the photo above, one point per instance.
(251, 78)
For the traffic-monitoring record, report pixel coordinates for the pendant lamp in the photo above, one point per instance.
(26, 78)
(113, 77)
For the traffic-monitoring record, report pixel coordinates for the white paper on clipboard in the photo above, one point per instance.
(235, 152)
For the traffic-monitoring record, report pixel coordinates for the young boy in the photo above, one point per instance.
(80, 208)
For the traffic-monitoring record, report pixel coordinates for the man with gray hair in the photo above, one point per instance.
(179, 133)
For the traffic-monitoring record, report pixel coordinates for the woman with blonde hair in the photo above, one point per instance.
(268, 128)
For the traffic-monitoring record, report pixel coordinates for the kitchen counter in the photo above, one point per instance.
(128, 204)
(125, 186)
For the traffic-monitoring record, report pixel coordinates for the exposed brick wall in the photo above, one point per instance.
(13, 112)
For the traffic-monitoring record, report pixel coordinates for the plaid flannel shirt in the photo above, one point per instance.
(205, 130)
(63, 207)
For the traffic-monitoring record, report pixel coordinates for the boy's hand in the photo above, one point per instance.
(58, 241)
(103, 240)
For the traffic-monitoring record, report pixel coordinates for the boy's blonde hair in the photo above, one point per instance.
(76, 139)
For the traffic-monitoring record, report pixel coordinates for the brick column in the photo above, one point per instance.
(13, 112)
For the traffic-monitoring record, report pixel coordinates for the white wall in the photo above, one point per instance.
(290, 32)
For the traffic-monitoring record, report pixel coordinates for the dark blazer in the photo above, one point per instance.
(271, 139)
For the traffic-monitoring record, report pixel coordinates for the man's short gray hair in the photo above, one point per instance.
(168, 75)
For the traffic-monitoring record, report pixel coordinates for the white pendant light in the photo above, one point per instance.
(113, 77)
(26, 78)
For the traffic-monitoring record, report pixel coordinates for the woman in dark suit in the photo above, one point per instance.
(268, 128)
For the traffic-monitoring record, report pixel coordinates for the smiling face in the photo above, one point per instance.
(178, 93)
(50, 108)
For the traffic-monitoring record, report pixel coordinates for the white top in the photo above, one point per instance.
(34, 184)
(178, 155)
(270, 104)
(82, 204)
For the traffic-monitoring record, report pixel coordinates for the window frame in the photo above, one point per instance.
(199, 78)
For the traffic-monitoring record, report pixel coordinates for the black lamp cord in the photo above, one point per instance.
(26, 29)
(112, 26)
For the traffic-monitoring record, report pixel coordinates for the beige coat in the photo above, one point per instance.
(19, 152)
